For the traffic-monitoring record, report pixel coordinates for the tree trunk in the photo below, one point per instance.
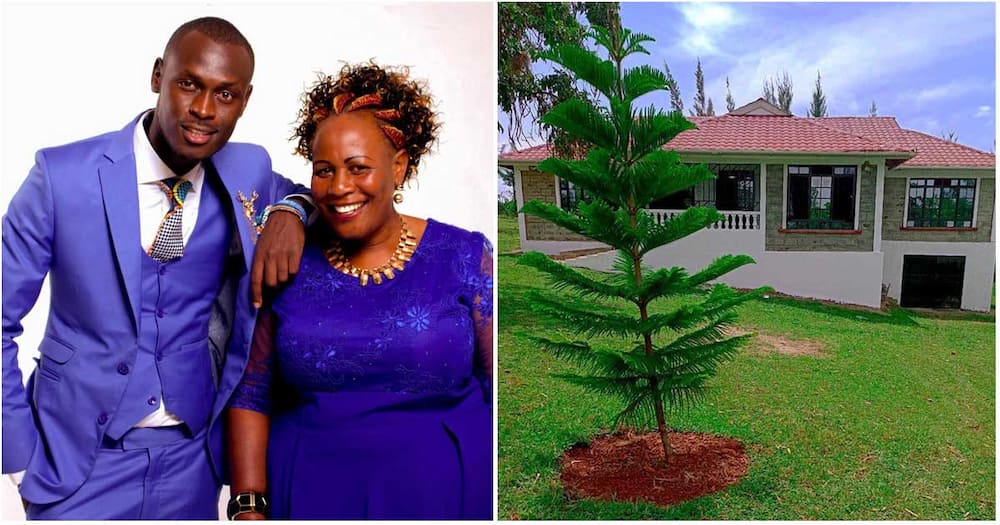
(661, 423)
(654, 384)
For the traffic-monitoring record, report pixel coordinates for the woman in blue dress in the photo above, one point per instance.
(367, 391)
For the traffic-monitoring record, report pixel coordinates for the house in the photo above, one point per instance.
(838, 208)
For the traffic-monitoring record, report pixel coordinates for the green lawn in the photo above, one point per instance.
(896, 423)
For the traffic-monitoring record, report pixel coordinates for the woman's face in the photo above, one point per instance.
(355, 171)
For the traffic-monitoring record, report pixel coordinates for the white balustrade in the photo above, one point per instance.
(732, 220)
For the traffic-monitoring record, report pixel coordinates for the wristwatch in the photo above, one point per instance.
(245, 502)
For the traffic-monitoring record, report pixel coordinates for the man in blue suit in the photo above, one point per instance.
(147, 235)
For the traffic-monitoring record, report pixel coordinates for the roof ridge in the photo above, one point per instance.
(887, 147)
(543, 145)
(948, 142)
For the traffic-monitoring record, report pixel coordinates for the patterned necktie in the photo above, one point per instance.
(169, 242)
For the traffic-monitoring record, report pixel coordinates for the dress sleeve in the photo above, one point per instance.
(255, 389)
(483, 314)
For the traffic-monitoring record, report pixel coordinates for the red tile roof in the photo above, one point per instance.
(931, 151)
(777, 134)
(532, 154)
(757, 133)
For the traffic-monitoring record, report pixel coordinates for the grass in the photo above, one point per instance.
(896, 423)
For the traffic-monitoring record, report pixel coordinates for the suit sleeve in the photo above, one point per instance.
(282, 188)
(28, 232)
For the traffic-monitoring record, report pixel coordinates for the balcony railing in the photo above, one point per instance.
(732, 220)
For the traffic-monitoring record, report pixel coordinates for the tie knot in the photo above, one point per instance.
(177, 188)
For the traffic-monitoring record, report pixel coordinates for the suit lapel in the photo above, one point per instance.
(120, 194)
(230, 176)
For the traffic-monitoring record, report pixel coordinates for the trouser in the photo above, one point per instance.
(150, 473)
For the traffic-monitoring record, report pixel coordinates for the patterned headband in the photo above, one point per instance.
(346, 102)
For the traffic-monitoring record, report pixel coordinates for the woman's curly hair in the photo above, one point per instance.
(402, 106)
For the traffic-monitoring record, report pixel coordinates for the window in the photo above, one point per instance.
(941, 203)
(570, 195)
(733, 188)
(821, 197)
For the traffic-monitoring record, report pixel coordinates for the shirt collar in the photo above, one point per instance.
(149, 167)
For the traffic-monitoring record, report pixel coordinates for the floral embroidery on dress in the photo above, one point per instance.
(426, 331)
(418, 318)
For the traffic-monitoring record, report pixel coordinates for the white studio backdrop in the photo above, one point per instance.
(75, 70)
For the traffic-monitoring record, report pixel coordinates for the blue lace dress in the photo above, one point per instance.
(379, 396)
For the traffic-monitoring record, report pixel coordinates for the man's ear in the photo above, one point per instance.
(399, 164)
(246, 99)
(154, 79)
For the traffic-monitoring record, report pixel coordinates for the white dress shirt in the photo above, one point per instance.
(153, 205)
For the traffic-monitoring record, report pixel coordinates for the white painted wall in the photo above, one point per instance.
(74, 70)
(846, 277)
(979, 267)
(556, 247)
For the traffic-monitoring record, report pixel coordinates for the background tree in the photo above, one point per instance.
(700, 108)
(676, 103)
(950, 136)
(710, 110)
(778, 91)
(818, 107)
(873, 109)
(661, 359)
(523, 30)
(730, 103)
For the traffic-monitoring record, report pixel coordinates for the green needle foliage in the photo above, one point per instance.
(664, 359)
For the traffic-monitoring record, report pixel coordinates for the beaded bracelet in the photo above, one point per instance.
(287, 205)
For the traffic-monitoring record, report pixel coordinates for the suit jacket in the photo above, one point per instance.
(76, 218)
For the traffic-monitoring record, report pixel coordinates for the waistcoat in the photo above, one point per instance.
(173, 357)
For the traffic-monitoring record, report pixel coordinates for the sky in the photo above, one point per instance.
(930, 65)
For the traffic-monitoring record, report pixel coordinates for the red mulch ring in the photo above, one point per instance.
(629, 467)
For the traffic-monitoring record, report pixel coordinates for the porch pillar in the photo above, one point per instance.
(519, 198)
(762, 196)
(879, 202)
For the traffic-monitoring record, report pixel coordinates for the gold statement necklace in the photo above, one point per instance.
(402, 254)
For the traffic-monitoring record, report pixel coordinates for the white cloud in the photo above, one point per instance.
(983, 111)
(855, 55)
(706, 24)
(936, 94)
(707, 16)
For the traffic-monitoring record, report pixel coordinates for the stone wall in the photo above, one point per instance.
(895, 207)
(542, 187)
(775, 240)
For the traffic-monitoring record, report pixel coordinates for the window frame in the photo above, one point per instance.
(811, 224)
(973, 209)
(564, 187)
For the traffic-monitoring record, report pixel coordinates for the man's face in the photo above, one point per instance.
(204, 87)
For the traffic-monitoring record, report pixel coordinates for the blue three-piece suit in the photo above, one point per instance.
(123, 329)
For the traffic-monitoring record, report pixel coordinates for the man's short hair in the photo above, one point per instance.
(217, 29)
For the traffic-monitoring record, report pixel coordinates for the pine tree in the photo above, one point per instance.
(730, 103)
(785, 92)
(700, 109)
(873, 109)
(676, 103)
(818, 107)
(710, 110)
(768, 91)
(779, 91)
(664, 358)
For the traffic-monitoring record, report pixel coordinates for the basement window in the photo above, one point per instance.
(821, 197)
(941, 203)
